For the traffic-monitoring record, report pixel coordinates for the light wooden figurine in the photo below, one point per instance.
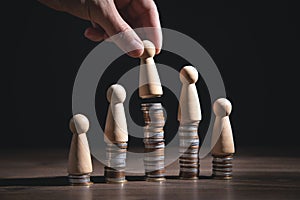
(80, 163)
(223, 150)
(189, 116)
(189, 105)
(149, 82)
(116, 135)
(116, 125)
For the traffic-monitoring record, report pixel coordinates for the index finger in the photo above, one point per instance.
(148, 18)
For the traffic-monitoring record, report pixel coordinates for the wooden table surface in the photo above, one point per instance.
(41, 174)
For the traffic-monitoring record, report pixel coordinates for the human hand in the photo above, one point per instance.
(116, 17)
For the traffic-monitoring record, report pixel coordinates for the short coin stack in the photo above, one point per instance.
(222, 167)
(188, 149)
(154, 141)
(114, 172)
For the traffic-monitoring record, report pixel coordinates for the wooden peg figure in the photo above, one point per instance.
(223, 149)
(116, 125)
(80, 163)
(149, 82)
(189, 105)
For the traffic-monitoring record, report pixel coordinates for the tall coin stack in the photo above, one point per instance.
(188, 149)
(154, 141)
(114, 172)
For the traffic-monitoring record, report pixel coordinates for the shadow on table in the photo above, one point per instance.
(43, 181)
(63, 180)
(40, 181)
(101, 179)
(199, 177)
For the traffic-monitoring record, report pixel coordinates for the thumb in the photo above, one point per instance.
(119, 31)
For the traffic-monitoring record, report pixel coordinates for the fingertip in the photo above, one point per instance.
(135, 47)
(94, 39)
(86, 33)
(93, 34)
(157, 51)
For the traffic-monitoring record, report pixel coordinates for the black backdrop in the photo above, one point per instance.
(252, 42)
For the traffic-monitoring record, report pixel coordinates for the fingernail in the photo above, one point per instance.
(135, 49)
(158, 51)
(86, 33)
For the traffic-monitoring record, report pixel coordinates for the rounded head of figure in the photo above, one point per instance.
(222, 107)
(116, 94)
(188, 75)
(149, 49)
(79, 124)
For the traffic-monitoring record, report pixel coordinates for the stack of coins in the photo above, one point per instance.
(188, 149)
(80, 180)
(114, 172)
(222, 167)
(154, 142)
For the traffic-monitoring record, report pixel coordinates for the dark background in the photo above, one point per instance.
(255, 45)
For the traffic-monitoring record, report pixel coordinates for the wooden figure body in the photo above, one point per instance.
(189, 105)
(116, 125)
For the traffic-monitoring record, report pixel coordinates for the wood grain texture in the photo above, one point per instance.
(79, 157)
